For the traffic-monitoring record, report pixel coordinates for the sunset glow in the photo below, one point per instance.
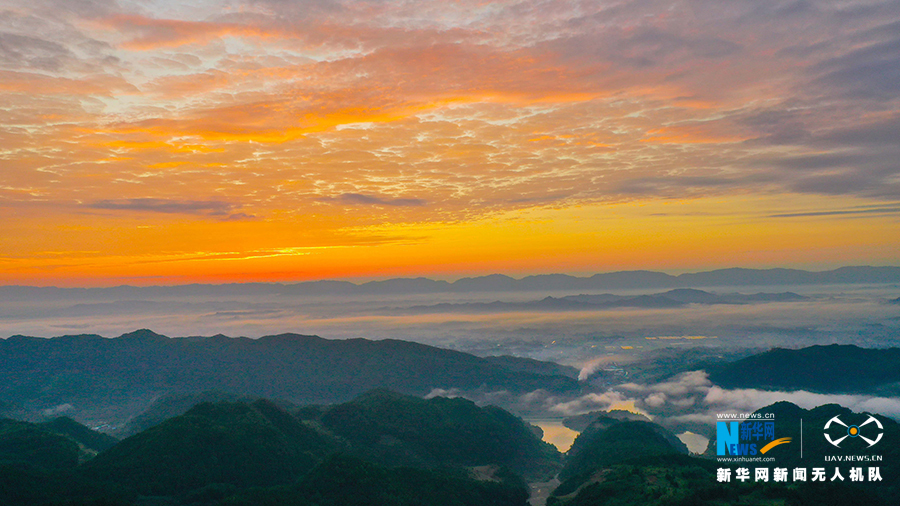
(261, 140)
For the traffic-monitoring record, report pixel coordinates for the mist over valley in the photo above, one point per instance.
(569, 364)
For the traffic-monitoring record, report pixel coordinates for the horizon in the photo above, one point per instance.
(528, 316)
(675, 273)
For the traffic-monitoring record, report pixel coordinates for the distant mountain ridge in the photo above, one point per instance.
(672, 299)
(492, 283)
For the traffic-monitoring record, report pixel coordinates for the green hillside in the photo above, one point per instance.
(395, 429)
(827, 369)
(90, 440)
(347, 481)
(383, 445)
(172, 405)
(36, 446)
(609, 441)
(109, 375)
(244, 445)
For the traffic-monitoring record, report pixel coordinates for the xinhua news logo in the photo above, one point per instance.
(748, 438)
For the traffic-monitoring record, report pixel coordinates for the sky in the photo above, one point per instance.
(162, 142)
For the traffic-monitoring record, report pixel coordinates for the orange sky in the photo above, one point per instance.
(172, 142)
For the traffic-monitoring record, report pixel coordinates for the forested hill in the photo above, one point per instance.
(89, 369)
(390, 449)
(827, 369)
(439, 452)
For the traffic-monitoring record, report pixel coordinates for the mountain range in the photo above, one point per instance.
(671, 299)
(127, 373)
(490, 283)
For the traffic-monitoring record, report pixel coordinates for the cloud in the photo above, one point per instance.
(542, 402)
(85, 9)
(690, 400)
(747, 400)
(606, 401)
(592, 366)
(857, 159)
(655, 400)
(425, 112)
(675, 185)
(149, 33)
(61, 409)
(872, 134)
(371, 200)
(167, 206)
(871, 72)
(30, 82)
(240, 217)
(19, 51)
(842, 212)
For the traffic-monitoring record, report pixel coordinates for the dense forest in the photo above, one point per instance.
(386, 448)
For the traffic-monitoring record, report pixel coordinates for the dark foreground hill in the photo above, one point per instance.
(242, 454)
(39, 462)
(241, 444)
(33, 445)
(395, 430)
(610, 441)
(172, 405)
(260, 444)
(90, 371)
(617, 461)
(827, 369)
(382, 448)
(60, 443)
(346, 481)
